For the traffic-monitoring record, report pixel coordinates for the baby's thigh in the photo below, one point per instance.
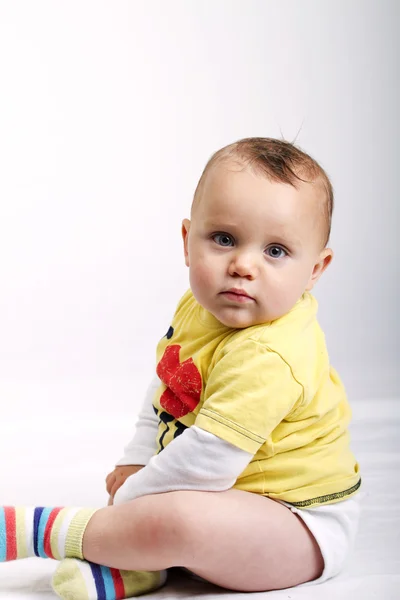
(246, 542)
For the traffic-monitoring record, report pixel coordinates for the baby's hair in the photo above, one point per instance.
(280, 161)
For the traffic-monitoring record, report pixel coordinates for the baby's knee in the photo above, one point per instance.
(166, 525)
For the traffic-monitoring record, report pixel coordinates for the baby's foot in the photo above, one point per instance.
(76, 579)
(47, 532)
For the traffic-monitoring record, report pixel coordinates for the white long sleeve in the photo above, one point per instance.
(196, 460)
(144, 442)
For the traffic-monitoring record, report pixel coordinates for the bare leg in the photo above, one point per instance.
(234, 539)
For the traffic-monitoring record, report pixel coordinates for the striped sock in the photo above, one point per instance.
(45, 532)
(81, 580)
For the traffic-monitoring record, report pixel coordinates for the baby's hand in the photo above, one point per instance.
(116, 478)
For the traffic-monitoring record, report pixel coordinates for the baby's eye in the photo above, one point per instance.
(223, 239)
(276, 252)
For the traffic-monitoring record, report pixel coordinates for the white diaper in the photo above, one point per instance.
(334, 527)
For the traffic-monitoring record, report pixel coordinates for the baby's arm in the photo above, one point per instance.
(142, 446)
(244, 400)
(196, 460)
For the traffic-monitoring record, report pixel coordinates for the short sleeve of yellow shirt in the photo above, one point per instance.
(250, 390)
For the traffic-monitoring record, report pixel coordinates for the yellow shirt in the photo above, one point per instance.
(267, 389)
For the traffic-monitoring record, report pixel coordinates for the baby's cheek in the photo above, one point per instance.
(201, 280)
(288, 291)
(204, 272)
(277, 292)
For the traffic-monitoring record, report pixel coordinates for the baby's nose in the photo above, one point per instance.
(243, 265)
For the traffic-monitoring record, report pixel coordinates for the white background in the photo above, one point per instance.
(108, 113)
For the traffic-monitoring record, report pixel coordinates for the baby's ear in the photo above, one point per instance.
(185, 236)
(325, 259)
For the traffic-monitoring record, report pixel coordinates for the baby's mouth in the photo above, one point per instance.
(237, 295)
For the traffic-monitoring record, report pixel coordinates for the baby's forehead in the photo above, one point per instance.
(222, 183)
(223, 178)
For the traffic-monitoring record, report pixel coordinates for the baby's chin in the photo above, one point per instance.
(237, 319)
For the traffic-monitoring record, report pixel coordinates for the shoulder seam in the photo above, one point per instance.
(269, 349)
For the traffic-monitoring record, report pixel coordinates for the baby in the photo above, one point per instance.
(240, 469)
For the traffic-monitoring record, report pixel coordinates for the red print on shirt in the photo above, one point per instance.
(183, 382)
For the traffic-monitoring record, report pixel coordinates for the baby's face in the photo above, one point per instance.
(253, 246)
